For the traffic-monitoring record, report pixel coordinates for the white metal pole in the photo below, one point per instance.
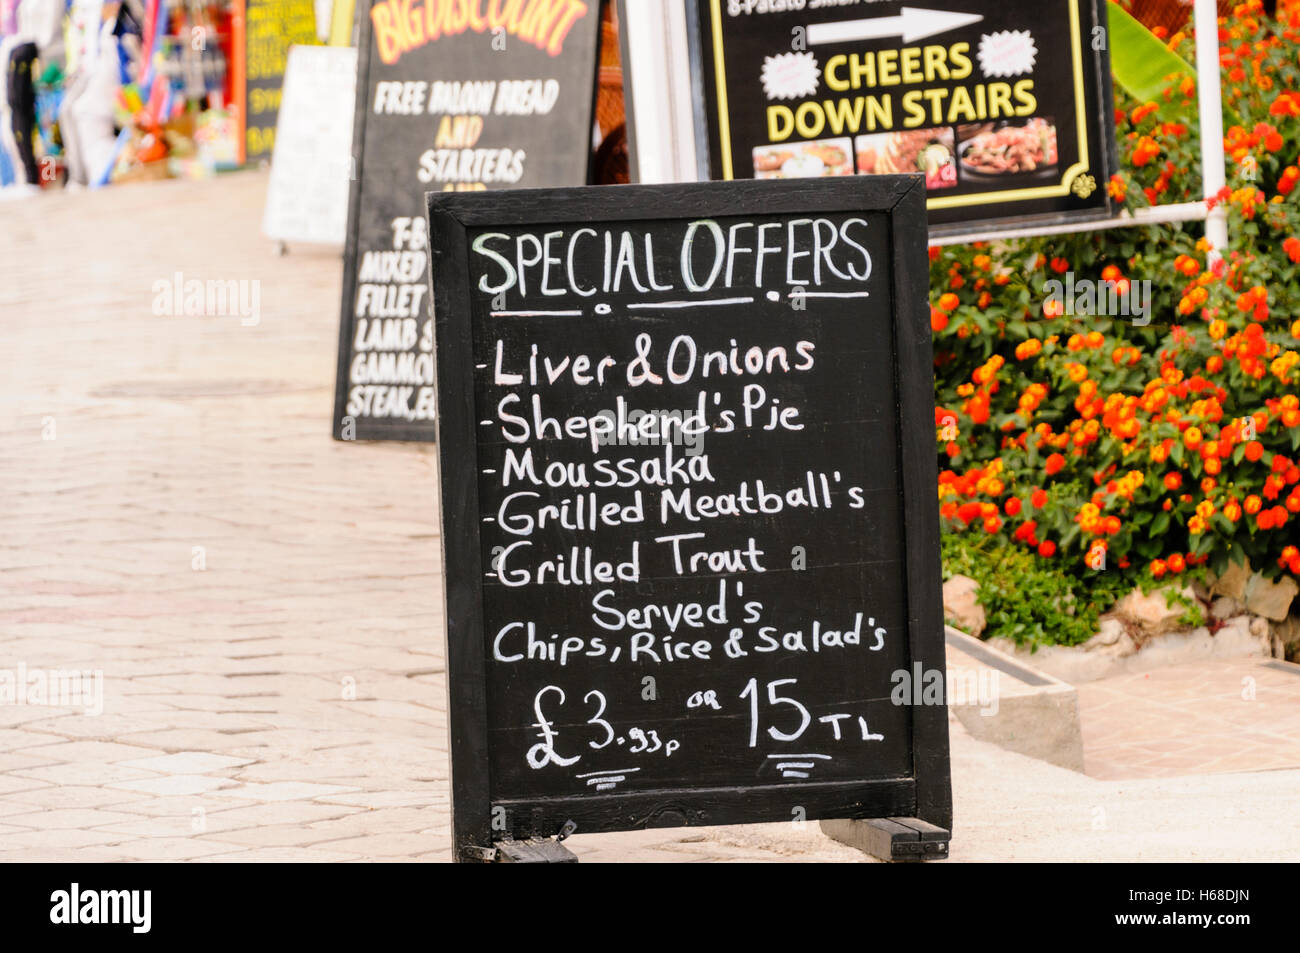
(1209, 96)
(657, 88)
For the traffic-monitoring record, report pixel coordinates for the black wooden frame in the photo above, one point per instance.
(926, 793)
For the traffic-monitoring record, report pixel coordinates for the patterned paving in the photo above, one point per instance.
(1197, 718)
(263, 604)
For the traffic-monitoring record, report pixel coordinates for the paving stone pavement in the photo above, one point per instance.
(264, 604)
(1205, 717)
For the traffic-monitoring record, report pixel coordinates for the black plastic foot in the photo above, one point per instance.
(534, 850)
(891, 838)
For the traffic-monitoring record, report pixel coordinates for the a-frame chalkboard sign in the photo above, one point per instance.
(450, 97)
(690, 530)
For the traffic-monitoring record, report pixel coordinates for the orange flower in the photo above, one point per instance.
(1286, 104)
(1253, 503)
(949, 301)
(1192, 438)
(1145, 150)
(938, 320)
(1173, 481)
(1176, 563)
(1141, 112)
(1254, 450)
(1055, 464)
(1027, 349)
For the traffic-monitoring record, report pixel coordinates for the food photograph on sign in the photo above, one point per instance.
(647, 431)
(997, 105)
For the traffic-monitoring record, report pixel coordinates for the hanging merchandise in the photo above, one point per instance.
(86, 112)
(175, 115)
(30, 53)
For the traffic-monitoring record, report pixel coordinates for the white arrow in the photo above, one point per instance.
(912, 24)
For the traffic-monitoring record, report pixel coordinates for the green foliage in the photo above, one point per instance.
(1141, 63)
(1156, 447)
(1033, 601)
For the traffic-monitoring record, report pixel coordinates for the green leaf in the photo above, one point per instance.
(1070, 535)
(1219, 563)
(1141, 63)
(1160, 524)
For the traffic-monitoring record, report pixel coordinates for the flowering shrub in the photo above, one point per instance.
(1142, 448)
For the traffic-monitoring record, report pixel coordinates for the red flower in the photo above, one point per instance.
(1047, 549)
(1055, 464)
(1286, 104)
(1145, 150)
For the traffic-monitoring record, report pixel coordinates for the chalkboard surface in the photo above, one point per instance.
(490, 97)
(690, 531)
(1004, 107)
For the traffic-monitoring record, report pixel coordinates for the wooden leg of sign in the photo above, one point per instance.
(534, 850)
(891, 838)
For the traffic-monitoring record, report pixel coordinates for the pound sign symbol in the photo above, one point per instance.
(543, 753)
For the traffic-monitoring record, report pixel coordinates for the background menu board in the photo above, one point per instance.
(270, 28)
(686, 544)
(1003, 107)
(468, 97)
